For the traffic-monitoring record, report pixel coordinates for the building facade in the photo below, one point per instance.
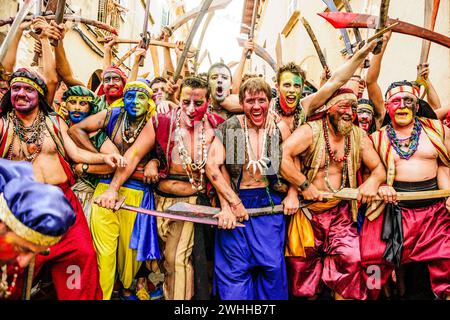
(281, 17)
(83, 50)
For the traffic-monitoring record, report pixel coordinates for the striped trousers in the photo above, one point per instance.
(178, 241)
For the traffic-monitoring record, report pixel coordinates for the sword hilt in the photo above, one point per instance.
(119, 204)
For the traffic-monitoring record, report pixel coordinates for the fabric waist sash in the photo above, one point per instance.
(428, 185)
(131, 183)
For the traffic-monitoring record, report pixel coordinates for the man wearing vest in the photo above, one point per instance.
(331, 150)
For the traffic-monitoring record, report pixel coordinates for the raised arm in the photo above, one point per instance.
(135, 68)
(316, 100)
(237, 76)
(373, 89)
(108, 47)
(423, 72)
(47, 32)
(62, 63)
(9, 61)
(80, 131)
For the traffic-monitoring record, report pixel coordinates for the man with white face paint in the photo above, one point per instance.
(219, 82)
(414, 149)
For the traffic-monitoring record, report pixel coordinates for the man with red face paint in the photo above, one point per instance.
(415, 151)
(331, 151)
(32, 132)
(33, 217)
(365, 115)
(294, 110)
(181, 139)
(242, 165)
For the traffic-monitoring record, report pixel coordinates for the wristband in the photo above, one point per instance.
(305, 185)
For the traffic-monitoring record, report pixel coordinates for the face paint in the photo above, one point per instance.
(290, 89)
(4, 87)
(341, 116)
(159, 92)
(113, 85)
(77, 116)
(24, 97)
(256, 107)
(8, 254)
(402, 108)
(78, 110)
(193, 105)
(365, 119)
(136, 103)
(219, 83)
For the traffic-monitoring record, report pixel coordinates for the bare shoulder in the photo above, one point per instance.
(284, 130)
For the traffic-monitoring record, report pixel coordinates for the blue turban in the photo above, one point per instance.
(36, 212)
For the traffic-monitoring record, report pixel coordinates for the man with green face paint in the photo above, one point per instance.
(291, 108)
(121, 237)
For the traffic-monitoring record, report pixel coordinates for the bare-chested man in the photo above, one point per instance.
(123, 238)
(294, 110)
(181, 139)
(415, 151)
(32, 132)
(242, 166)
(331, 151)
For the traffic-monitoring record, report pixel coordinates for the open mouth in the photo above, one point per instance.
(291, 99)
(219, 91)
(402, 114)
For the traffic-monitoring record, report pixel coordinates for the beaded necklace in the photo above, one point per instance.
(327, 143)
(5, 288)
(32, 135)
(263, 161)
(297, 112)
(398, 143)
(134, 133)
(329, 154)
(188, 164)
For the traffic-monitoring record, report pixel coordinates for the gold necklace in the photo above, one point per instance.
(5, 288)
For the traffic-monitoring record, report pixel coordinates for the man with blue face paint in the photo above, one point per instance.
(121, 237)
(80, 103)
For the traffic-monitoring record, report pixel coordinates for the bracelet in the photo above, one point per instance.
(233, 206)
(305, 185)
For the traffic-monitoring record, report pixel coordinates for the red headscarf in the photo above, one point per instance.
(116, 70)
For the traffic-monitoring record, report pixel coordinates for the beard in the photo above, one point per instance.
(341, 126)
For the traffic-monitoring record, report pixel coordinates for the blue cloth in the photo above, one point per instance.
(41, 207)
(144, 237)
(249, 262)
(361, 217)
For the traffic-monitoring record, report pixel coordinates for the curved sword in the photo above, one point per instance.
(14, 27)
(359, 20)
(315, 42)
(262, 53)
(348, 45)
(216, 5)
(203, 10)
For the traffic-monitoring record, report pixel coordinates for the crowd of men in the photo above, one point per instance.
(271, 160)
